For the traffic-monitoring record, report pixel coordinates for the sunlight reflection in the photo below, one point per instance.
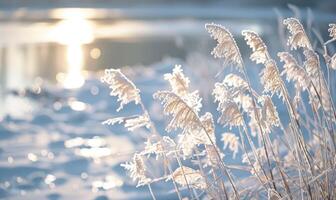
(108, 183)
(95, 152)
(74, 31)
(32, 157)
(74, 77)
(74, 142)
(77, 105)
(49, 180)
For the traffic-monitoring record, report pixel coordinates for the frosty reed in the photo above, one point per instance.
(294, 160)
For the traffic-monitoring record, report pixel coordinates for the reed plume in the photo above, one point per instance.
(259, 49)
(298, 37)
(226, 47)
(121, 87)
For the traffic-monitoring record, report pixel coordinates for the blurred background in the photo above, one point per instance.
(52, 52)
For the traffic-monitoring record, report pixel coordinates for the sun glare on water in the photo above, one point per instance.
(73, 31)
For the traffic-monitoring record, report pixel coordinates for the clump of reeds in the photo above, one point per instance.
(295, 160)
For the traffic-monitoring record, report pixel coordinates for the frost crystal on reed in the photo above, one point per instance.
(270, 78)
(178, 82)
(187, 143)
(212, 158)
(230, 114)
(121, 87)
(312, 66)
(226, 47)
(204, 134)
(209, 128)
(269, 115)
(131, 123)
(332, 31)
(188, 176)
(137, 122)
(332, 34)
(298, 36)
(260, 53)
(183, 116)
(293, 71)
(153, 148)
(238, 89)
(235, 81)
(137, 170)
(112, 121)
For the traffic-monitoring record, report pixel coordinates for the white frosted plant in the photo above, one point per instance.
(137, 170)
(178, 82)
(294, 72)
(259, 49)
(121, 87)
(188, 176)
(332, 33)
(271, 80)
(227, 47)
(298, 37)
(287, 158)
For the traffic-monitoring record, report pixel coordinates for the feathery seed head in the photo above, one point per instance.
(137, 170)
(293, 71)
(269, 115)
(187, 143)
(226, 47)
(121, 87)
(178, 82)
(230, 114)
(270, 78)
(188, 176)
(209, 126)
(183, 116)
(298, 37)
(237, 91)
(332, 31)
(312, 66)
(312, 63)
(235, 81)
(183, 109)
(259, 49)
(137, 122)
